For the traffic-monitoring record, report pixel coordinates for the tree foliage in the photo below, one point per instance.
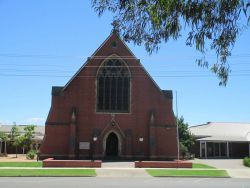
(29, 134)
(186, 139)
(4, 138)
(211, 25)
(14, 137)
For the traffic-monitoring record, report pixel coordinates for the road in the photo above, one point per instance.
(66, 182)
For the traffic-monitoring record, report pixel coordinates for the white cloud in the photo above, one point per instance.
(36, 120)
(5, 122)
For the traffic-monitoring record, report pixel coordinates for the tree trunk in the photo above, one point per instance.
(1, 147)
(5, 148)
(16, 151)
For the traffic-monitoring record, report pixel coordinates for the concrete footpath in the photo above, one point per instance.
(106, 172)
(120, 169)
(141, 172)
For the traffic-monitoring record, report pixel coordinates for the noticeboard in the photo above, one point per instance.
(84, 145)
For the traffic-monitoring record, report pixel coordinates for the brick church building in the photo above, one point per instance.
(111, 108)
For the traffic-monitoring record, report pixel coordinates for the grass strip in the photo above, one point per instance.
(199, 165)
(187, 173)
(46, 172)
(21, 164)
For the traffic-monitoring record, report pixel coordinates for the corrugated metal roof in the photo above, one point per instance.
(223, 138)
(219, 131)
(39, 130)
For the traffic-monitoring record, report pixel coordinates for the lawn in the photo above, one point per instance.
(199, 165)
(187, 173)
(21, 164)
(46, 172)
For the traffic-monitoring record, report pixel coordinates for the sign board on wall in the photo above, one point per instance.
(84, 145)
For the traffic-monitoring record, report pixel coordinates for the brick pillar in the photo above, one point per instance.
(152, 137)
(72, 138)
(128, 143)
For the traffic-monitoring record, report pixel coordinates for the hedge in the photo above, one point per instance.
(246, 161)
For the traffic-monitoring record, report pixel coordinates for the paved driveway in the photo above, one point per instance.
(234, 167)
(223, 163)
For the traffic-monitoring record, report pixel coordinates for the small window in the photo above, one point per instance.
(113, 87)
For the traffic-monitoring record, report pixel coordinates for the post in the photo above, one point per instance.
(200, 149)
(177, 129)
(5, 147)
(219, 149)
(0, 146)
(141, 146)
(249, 150)
(227, 150)
(94, 140)
(205, 149)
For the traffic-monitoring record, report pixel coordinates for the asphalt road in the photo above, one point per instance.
(84, 182)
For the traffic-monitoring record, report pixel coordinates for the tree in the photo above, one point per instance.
(211, 24)
(4, 138)
(14, 137)
(21, 140)
(186, 139)
(29, 134)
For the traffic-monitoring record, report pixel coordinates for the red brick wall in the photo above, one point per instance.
(71, 163)
(81, 94)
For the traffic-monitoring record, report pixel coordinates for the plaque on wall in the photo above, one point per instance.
(84, 145)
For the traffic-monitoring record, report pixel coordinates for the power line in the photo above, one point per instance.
(153, 64)
(145, 76)
(133, 70)
(54, 56)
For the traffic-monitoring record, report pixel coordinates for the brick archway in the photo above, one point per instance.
(119, 144)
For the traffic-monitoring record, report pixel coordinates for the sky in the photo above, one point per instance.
(43, 43)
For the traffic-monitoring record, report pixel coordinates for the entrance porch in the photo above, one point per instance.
(224, 149)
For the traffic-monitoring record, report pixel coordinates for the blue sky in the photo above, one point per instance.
(43, 43)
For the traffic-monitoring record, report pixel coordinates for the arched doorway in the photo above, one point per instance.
(112, 145)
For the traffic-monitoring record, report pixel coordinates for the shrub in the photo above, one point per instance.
(246, 161)
(183, 150)
(31, 154)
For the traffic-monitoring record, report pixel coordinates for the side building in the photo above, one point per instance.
(221, 140)
(36, 142)
(111, 108)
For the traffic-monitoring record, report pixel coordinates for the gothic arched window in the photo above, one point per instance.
(113, 87)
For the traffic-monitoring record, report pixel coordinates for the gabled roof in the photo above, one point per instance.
(94, 55)
(222, 131)
(132, 56)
